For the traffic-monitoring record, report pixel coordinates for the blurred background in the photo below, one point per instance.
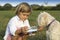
(8, 7)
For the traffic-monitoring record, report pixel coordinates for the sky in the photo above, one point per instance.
(39, 2)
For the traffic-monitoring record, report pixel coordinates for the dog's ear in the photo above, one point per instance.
(42, 19)
(48, 17)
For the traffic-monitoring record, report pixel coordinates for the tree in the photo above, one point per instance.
(0, 7)
(7, 6)
(58, 6)
(35, 7)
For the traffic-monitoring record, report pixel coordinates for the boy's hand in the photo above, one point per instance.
(24, 29)
(40, 28)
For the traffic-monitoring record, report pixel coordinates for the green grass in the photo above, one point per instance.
(6, 15)
(4, 18)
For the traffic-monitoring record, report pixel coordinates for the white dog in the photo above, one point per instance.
(52, 25)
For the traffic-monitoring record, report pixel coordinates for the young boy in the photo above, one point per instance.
(19, 24)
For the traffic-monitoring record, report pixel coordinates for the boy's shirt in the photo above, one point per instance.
(14, 24)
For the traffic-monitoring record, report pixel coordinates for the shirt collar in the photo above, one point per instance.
(19, 18)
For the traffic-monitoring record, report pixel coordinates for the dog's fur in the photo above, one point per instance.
(53, 33)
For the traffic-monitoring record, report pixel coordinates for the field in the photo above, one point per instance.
(6, 15)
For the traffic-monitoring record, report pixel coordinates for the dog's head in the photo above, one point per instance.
(44, 19)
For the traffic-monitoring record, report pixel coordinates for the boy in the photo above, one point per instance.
(19, 24)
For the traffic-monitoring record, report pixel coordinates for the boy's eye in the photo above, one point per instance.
(25, 15)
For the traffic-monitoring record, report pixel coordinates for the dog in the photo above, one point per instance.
(52, 26)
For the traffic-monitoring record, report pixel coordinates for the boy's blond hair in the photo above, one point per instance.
(23, 7)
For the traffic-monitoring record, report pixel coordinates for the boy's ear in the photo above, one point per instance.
(44, 20)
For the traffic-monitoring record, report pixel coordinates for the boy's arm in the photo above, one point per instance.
(40, 28)
(24, 29)
(21, 30)
(28, 24)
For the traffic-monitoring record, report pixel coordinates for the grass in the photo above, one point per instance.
(6, 15)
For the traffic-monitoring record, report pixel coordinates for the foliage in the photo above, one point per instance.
(35, 7)
(8, 6)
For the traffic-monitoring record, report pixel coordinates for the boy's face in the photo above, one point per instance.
(24, 16)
